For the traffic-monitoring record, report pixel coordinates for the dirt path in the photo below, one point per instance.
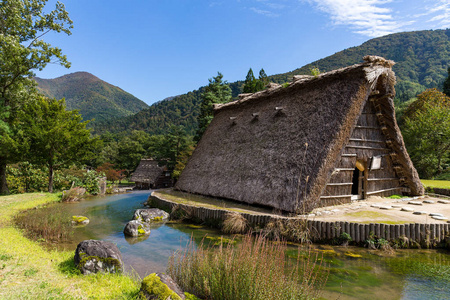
(385, 210)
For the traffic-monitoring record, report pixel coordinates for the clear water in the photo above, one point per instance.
(406, 274)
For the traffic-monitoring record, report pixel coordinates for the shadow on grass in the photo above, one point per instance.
(69, 268)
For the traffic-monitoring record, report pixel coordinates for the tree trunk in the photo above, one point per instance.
(3, 184)
(50, 178)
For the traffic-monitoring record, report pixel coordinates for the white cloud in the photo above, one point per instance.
(368, 17)
(440, 14)
(263, 12)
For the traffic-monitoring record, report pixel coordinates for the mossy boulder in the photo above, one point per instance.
(150, 215)
(160, 286)
(136, 228)
(94, 256)
(79, 220)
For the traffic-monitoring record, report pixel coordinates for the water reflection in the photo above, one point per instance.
(108, 216)
(408, 274)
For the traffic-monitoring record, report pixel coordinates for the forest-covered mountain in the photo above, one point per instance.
(421, 57)
(93, 97)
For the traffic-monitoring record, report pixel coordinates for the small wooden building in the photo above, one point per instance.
(149, 175)
(322, 140)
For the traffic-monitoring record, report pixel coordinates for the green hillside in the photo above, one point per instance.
(94, 98)
(421, 57)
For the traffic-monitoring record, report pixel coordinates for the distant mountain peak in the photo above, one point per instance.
(93, 97)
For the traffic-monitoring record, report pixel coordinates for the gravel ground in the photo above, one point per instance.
(394, 211)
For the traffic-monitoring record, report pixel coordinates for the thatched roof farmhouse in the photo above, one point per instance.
(149, 175)
(322, 140)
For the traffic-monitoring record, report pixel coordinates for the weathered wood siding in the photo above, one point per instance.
(367, 141)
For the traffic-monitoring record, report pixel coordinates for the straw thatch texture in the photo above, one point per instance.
(279, 147)
(147, 173)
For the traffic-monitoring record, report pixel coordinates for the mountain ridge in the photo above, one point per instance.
(421, 57)
(92, 96)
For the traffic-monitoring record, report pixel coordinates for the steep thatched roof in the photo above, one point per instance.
(148, 171)
(279, 145)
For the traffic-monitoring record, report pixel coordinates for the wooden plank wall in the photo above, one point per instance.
(367, 141)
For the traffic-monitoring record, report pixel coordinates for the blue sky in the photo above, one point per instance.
(156, 49)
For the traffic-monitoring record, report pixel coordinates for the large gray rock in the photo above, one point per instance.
(150, 214)
(160, 286)
(136, 228)
(94, 256)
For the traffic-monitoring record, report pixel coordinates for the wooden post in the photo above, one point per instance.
(388, 232)
(357, 233)
(422, 233)
(432, 232)
(382, 231)
(397, 231)
(352, 231)
(377, 230)
(402, 230)
(418, 233)
(412, 232)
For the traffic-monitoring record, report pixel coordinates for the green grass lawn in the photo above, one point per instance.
(29, 271)
(442, 184)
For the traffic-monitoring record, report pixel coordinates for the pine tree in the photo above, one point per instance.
(217, 91)
(262, 81)
(250, 82)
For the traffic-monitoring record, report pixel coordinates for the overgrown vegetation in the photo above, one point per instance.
(426, 131)
(27, 178)
(28, 271)
(52, 224)
(254, 269)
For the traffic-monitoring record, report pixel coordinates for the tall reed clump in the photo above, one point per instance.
(254, 269)
(51, 223)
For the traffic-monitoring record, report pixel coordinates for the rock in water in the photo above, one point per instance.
(94, 256)
(79, 220)
(160, 286)
(136, 228)
(150, 214)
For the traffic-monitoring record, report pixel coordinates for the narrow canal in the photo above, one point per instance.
(355, 273)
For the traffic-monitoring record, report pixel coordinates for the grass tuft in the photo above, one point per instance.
(254, 269)
(235, 223)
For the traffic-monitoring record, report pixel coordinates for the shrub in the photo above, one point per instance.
(254, 269)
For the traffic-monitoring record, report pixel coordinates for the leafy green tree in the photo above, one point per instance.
(250, 82)
(129, 154)
(216, 92)
(170, 149)
(22, 50)
(446, 85)
(427, 133)
(58, 137)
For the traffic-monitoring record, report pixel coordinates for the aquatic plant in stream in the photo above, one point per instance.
(51, 224)
(254, 269)
(432, 268)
